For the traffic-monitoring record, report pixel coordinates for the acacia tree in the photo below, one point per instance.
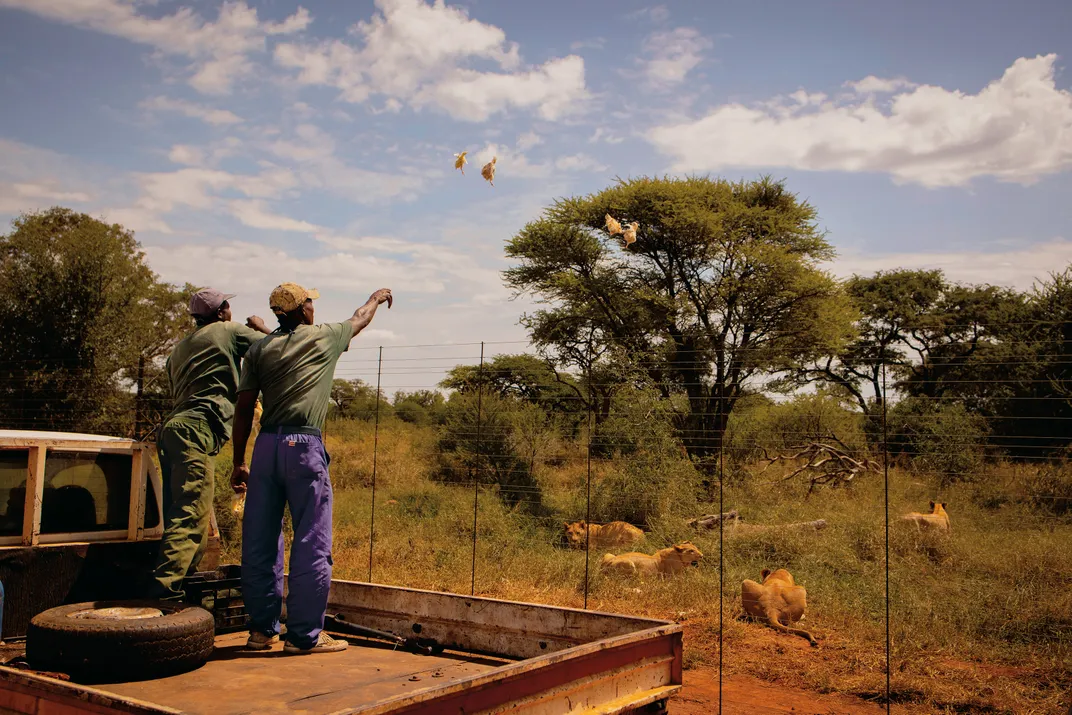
(928, 333)
(721, 286)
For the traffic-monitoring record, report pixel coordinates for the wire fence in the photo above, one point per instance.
(478, 492)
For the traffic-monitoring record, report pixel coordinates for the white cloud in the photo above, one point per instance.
(319, 166)
(38, 191)
(418, 53)
(219, 51)
(32, 178)
(254, 213)
(137, 219)
(1017, 268)
(604, 135)
(509, 163)
(254, 267)
(673, 54)
(528, 140)
(1016, 129)
(514, 163)
(187, 155)
(876, 85)
(579, 162)
(212, 116)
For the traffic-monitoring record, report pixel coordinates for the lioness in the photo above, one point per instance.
(778, 601)
(607, 536)
(938, 519)
(665, 562)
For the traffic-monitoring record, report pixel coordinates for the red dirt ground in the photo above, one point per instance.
(744, 695)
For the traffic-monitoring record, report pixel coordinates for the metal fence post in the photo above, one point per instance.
(476, 482)
(375, 453)
(886, 499)
(721, 560)
(588, 489)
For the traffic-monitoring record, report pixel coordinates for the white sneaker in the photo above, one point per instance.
(260, 641)
(324, 644)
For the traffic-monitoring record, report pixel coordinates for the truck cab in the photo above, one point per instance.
(80, 520)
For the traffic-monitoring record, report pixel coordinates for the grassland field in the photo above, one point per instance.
(980, 620)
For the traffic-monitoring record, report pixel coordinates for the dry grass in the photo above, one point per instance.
(981, 620)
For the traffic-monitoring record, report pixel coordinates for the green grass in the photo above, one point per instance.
(981, 620)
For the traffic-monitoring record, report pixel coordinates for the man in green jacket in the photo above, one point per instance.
(203, 370)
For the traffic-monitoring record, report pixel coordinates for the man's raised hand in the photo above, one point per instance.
(257, 323)
(383, 295)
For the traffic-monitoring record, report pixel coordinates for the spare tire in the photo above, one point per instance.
(120, 640)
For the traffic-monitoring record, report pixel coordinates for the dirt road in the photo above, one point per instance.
(750, 695)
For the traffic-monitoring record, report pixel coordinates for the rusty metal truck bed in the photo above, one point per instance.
(500, 657)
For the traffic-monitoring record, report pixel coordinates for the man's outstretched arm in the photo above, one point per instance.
(363, 315)
(257, 323)
(243, 425)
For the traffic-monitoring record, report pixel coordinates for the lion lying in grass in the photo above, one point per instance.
(665, 562)
(778, 601)
(937, 520)
(607, 536)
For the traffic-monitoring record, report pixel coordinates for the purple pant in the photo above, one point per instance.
(287, 470)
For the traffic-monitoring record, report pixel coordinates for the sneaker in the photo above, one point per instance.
(324, 644)
(261, 641)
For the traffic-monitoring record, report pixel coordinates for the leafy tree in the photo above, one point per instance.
(890, 305)
(1024, 383)
(478, 444)
(421, 407)
(922, 328)
(162, 320)
(523, 376)
(74, 296)
(721, 287)
(355, 400)
(938, 436)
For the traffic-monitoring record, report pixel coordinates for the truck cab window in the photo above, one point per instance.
(14, 466)
(85, 492)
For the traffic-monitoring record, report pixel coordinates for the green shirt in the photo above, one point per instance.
(293, 372)
(203, 369)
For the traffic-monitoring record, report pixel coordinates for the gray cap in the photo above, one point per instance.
(207, 301)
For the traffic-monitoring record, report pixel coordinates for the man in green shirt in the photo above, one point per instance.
(203, 370)
(292, 369)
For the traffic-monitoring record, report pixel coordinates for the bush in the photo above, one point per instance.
(478, 443)
(938, 436)
(1051, 490)
(758, 423)
(654, 477)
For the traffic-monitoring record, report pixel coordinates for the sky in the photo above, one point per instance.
(253, 142)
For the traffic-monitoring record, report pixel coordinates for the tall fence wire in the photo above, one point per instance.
(814, 479)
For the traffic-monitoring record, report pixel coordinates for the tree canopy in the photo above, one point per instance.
(80, 309)
(722, 286)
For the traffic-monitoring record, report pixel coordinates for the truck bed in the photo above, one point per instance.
(237, 680)
(499, 656)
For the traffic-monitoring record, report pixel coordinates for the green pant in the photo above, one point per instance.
(187, 451)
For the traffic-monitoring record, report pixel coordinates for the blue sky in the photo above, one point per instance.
(248, 143)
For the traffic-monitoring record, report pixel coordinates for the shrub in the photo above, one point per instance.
(477, 444)
(653, 476)
(1050, 490)
(759, 424)
(938, 436)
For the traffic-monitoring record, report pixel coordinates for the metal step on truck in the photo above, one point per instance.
(80, 529)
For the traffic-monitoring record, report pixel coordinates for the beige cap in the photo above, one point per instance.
(290, 296)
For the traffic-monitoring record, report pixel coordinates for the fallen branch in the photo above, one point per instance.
(818, 525)
(711, 521)
(824, 464)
